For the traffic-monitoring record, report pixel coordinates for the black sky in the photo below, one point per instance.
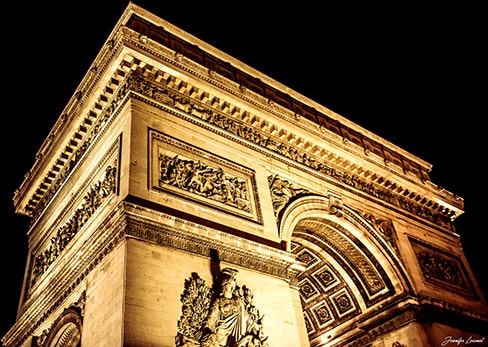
(413, 74)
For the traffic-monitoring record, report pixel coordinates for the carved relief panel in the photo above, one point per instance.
(191, 173)
(441, 268)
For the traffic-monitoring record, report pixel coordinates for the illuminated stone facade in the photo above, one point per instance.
(176, 169)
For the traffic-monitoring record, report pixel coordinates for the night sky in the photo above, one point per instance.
(413, 74)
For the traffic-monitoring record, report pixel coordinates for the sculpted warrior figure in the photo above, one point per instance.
(227, 319)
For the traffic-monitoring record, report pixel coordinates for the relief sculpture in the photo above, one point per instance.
(204, 180)
(222, 316)
(192, 173)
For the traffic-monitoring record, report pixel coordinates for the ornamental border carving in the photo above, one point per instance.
(370, 334)
(197, 239)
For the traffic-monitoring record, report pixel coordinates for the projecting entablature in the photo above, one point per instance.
(209, 87)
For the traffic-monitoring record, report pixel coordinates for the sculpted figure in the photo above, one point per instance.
(226, 318)
(226, 321)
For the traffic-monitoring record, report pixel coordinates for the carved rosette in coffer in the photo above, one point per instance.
(183, 170)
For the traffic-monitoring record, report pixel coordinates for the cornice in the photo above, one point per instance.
(406, 178)
(185, 45)
(252, 129)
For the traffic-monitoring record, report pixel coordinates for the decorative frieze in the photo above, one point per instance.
(250, 128)
(91, 202)
(198, 239)
(94, 195)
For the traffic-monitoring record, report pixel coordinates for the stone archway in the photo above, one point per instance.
(66, 331)
(351, 268)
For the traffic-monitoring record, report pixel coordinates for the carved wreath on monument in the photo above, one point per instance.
(222, 316)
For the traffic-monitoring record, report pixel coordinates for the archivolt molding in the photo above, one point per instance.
(292, 204)
(380, 231)
(322, 231)
(318, 208)
(66, 330)
(307, 206)
(372, 279)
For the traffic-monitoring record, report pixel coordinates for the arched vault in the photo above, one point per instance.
(352, 264)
